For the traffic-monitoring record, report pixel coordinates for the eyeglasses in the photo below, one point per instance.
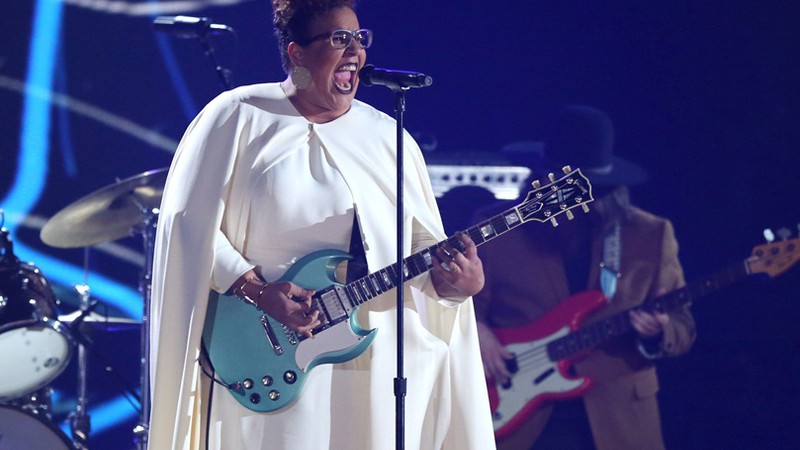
(341, 39)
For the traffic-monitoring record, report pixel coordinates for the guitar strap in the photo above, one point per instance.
(609, 268)
(356, 267)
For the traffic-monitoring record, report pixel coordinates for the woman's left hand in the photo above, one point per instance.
(456, 273)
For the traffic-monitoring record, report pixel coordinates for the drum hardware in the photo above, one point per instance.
(34, 347)
(90, 322)
(79, 421)
(122, 209)
(82, 326)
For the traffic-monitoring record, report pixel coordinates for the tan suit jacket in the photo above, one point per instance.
(526, 277)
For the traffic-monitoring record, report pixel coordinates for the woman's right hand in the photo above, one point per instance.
(290, 305)
(494, 355)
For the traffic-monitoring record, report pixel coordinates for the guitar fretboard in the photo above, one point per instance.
(618, 324)
(370, 286)
(542, 204)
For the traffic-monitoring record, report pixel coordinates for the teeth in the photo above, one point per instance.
(345, 86)
(348, 68)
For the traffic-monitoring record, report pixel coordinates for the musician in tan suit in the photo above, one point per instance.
(618, 249)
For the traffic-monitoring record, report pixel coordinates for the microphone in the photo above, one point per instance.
(187, 27)
(393, 79)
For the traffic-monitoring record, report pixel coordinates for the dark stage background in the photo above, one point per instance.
(705, 95)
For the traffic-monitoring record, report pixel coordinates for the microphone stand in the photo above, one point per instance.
(400, 385)
(400, 380)
(222, 73)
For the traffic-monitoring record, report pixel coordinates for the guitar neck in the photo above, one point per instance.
(370, 286)
(618, 324)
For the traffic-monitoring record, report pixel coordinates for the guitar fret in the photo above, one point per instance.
(511, 219)
(499, 225)
(411, 267)
(378, 283)
(389, 278)
(476, 235)
(356, 294)
(363, 289)
(428, 255)
(351, 297)
(406, 271)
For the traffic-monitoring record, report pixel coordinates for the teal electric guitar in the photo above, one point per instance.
(264, 364)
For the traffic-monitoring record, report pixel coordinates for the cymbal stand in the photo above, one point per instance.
(148, 233)
(79, 421)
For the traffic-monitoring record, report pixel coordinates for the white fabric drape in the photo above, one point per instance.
(226, 208)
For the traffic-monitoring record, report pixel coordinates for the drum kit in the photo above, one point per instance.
(37, 344)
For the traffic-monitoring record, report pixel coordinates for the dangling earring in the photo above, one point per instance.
(301, 77)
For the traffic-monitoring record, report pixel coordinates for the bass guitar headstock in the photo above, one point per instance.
(774, 257)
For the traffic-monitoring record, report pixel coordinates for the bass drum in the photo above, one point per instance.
(34, 347)
(23, 430)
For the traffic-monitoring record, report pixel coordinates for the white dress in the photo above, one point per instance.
(272, 188)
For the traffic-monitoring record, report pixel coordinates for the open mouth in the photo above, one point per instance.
(344, 78)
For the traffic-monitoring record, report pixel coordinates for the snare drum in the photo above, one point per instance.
(34, 347)
(20, 429)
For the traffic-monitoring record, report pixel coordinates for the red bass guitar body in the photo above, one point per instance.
(538, 376)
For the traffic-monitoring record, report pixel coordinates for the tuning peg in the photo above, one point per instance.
(784, 233)
(551, 176)
(554, 221)
(566, 169)
(769, 235)
(537, 184)
(570, 216)
(585, 207)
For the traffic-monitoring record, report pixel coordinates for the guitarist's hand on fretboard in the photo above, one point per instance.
(457, 272)
(494, 355)
(648, 324)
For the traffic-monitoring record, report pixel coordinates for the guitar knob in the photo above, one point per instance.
(570, 216)
(290, 377)
(554, 221)
(585, 207)
(537, 184)
(566, 169)
(274, 395)
(551, 176)
(267, 380)
(255, 399)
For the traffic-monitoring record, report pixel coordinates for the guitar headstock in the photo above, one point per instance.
(557, 197)
(774, 258)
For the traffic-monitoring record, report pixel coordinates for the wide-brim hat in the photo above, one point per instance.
(583, 137)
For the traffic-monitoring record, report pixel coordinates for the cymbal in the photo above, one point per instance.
(100, 322)
(107, 214)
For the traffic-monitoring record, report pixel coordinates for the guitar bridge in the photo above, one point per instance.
(271, 337)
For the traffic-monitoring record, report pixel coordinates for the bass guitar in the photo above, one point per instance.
(545, 350)
(264, 364)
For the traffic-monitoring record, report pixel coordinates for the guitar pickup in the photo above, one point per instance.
(271, 337)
